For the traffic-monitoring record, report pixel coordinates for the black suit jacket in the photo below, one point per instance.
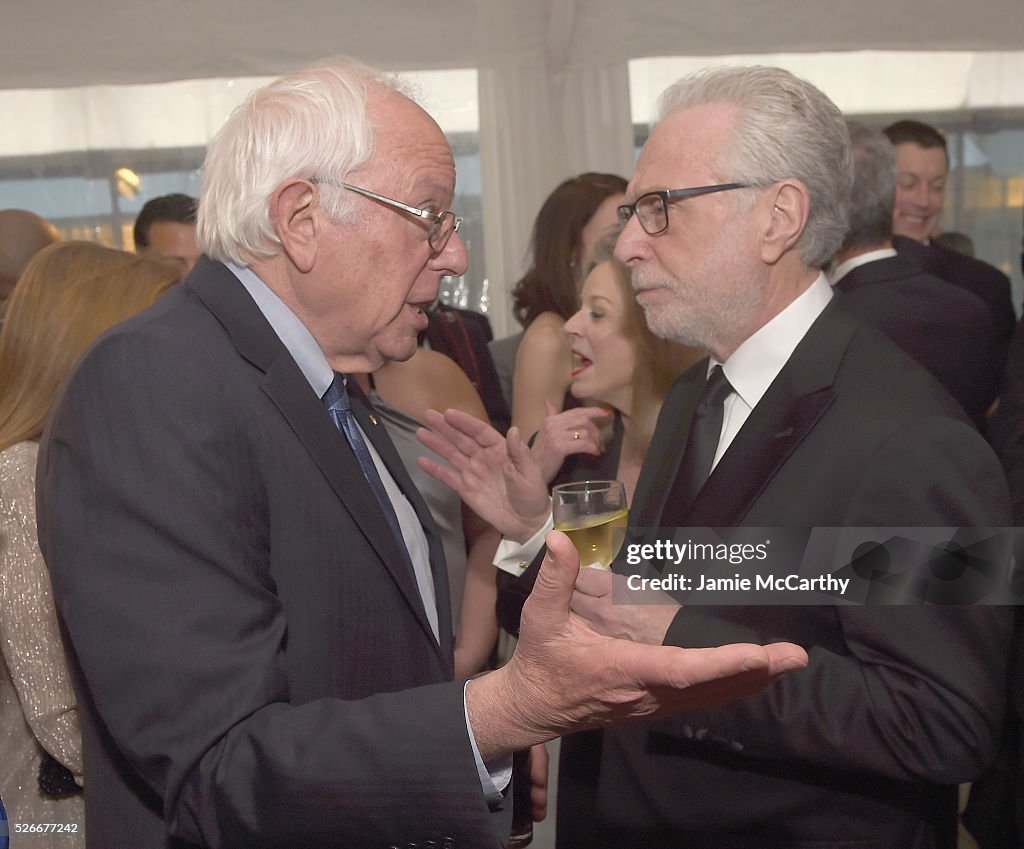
(243, 633)
(898, 704)
(944, 327)
(977, 277)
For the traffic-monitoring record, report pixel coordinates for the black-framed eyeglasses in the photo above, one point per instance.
(651, 208)
(443, 224)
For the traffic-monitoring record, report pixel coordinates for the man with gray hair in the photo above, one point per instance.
(806, 418)
(253, 593)
(947, 329)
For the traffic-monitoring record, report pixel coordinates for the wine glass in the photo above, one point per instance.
(593, 515)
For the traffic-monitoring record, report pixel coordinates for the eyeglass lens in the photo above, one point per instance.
(650, 210)
(441, 231)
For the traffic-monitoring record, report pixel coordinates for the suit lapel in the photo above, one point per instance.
(795, 401)
(667, 447)
(287, 387)
(793, 404)
(376, 432)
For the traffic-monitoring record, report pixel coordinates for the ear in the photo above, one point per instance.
(293, 212)
(790, 204)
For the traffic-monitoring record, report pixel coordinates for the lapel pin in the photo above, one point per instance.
(373, 419)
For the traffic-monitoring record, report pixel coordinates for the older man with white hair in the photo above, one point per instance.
(802, 418)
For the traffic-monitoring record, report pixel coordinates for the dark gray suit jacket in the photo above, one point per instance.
(944, 327)
(899, 704)
(244, 636)
(976, 276)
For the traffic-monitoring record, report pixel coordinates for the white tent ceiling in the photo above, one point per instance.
(47, 43)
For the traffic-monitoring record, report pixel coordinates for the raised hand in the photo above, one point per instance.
(572, 431)
(497, 477)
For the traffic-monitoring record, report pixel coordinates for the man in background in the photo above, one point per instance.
(945, 328)
(166, 229)
(22, 235)
(922, 169)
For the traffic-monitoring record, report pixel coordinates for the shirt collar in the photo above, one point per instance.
(844, 268)
(290, 330)
(757, 362)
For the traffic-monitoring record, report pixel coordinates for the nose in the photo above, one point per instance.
(572, 326)
(918, 195)
(629, 247)
(454, 259)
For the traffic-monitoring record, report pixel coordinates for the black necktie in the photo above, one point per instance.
(701, 445)
(337, 401)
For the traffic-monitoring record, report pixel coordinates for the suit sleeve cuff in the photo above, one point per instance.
(495, 774)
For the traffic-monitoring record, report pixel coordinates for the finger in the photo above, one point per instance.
(446, 474)
(549, 408)
(677, 669)
(444, 447)
(594, 582)
(593, 413)
(459, 434)
(518, 452)
(553, 589)
(786, 657)
(476, 429)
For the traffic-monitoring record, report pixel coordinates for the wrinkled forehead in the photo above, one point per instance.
(408, 143)
(684, 149)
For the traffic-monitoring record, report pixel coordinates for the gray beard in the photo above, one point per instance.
(712, 318)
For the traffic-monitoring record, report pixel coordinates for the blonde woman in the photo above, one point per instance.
(68, 294)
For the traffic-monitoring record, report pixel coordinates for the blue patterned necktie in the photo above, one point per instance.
(337, 401)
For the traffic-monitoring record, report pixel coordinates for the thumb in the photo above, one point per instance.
(550, 408)
(557, 577)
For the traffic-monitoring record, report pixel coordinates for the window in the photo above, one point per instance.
(87, 159)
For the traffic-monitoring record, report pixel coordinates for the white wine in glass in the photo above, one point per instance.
(593, 515)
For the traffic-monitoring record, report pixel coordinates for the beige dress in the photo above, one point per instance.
(37, 705)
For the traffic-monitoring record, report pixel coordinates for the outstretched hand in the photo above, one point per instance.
(496, 476)
(566, 677)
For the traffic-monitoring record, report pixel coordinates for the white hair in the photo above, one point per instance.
(311, 123)
(785, 128)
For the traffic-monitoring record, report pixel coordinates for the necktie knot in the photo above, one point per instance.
(336, 397)
(716, 390)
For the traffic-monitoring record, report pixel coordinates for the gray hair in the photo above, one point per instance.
(874, 187)
(309, 123)
(785, 128)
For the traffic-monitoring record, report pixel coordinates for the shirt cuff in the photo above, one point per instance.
(513, 557)
(496, 773)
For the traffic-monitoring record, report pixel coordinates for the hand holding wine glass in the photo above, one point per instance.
(593, 515)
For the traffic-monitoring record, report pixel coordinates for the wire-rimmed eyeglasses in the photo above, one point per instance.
(651, 208)
(443, 223)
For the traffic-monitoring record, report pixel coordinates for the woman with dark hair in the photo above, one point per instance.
(576, 216)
